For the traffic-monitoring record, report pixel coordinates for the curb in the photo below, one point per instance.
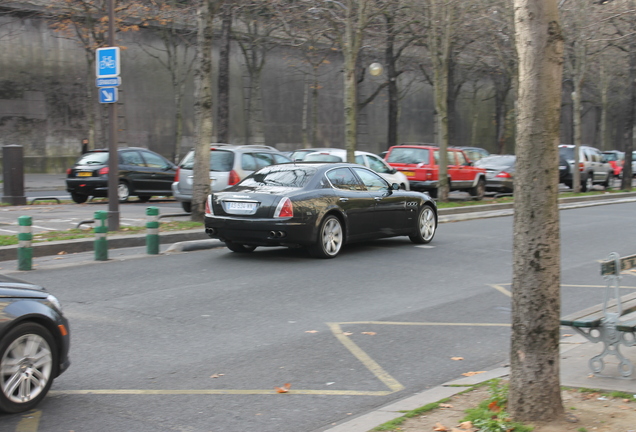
(40, 249)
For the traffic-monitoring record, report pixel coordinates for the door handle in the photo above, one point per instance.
(344, 199)
(378, 198)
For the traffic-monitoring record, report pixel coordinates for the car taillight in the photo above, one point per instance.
(234, 178)
(176, 175)
(284, 209)
(581, 166)
(69, 171)
(103, 171)
(503, 174)
(208, 206)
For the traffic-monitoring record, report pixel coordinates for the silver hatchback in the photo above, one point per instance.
(229, 164)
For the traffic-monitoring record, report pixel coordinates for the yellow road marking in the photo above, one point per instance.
(398, 323)
(364, 358)
(30, 422)
(218, 392)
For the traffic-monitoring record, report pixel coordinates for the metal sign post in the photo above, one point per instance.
(107, 68)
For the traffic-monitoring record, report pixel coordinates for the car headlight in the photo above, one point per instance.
(55, 302)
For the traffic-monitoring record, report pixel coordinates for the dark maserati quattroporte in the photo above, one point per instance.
(319, 206)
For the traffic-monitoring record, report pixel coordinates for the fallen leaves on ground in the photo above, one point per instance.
(284, 389)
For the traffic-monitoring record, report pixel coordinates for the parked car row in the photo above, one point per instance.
(413, 166)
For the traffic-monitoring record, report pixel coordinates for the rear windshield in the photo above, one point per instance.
(408, 155)
(496, 161)
(220, 160)
(280, 175)
(93, 158)
(611, 156)
(320, 157)
(567, 152)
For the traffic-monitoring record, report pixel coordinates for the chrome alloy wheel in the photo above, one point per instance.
(426, 224)
(332, 236)
(25, 368)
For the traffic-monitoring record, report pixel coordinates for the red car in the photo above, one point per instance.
(616, 159)
(419, 163)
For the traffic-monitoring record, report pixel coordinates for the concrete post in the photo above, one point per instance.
(13, 175)
(152, 233)
(25, 238)
(101, 244)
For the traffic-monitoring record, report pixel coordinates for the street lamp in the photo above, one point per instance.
(375, 69)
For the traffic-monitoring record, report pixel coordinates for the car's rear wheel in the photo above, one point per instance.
(426, 226)
(187, 206)
(123, 192)
(330, 238)
(28, 364)
(79, 198)
(479, 190)
(239, 248)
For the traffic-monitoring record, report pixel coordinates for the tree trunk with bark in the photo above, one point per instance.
(223, 109)
(203, 109)
(534, 392)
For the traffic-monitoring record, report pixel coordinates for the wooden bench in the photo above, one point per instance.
(607, 322)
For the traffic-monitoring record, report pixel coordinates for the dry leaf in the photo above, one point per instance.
(492, 406)
(347, 333)
(62, 253)
(216, 375)
(457, 358)
(440, 427)
(311, 331)
(369, 333)
(567, 335)
(472, 373)
(283, 389)
(466, 425)
(443, 405)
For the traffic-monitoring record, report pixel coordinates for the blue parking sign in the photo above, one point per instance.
(107, 62)
(108, 95)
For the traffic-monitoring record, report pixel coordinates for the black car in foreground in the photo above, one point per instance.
(34, 344)
(142, 173)
(318, 206)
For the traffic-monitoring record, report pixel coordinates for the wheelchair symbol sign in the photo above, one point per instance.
(107, 62)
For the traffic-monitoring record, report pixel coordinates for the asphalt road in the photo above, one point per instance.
(198, 341)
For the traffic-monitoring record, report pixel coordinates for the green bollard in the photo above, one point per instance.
(101, 244)
(152, 233)
(25, 237)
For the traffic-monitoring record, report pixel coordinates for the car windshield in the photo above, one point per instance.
(280, 175)
(611, 156)
(93, 158)
(496, 161)
(220, 160)
(408, 155)
(322, 157)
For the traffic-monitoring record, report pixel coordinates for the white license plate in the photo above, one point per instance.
(239, 207)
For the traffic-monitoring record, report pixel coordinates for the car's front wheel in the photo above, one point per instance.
(123, 192)
(330, 238)
(187, 206)
(426, 226)
(239, 248)
(479, 190)
(28, 364)
(79, 198)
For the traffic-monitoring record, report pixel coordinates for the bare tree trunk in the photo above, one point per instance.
(534, 392)
(203, 109)
(577, 108)
(223, 113)
(626, 184)
(305, 115)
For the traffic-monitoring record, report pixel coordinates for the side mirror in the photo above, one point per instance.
(393, 171)
(395, 186)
